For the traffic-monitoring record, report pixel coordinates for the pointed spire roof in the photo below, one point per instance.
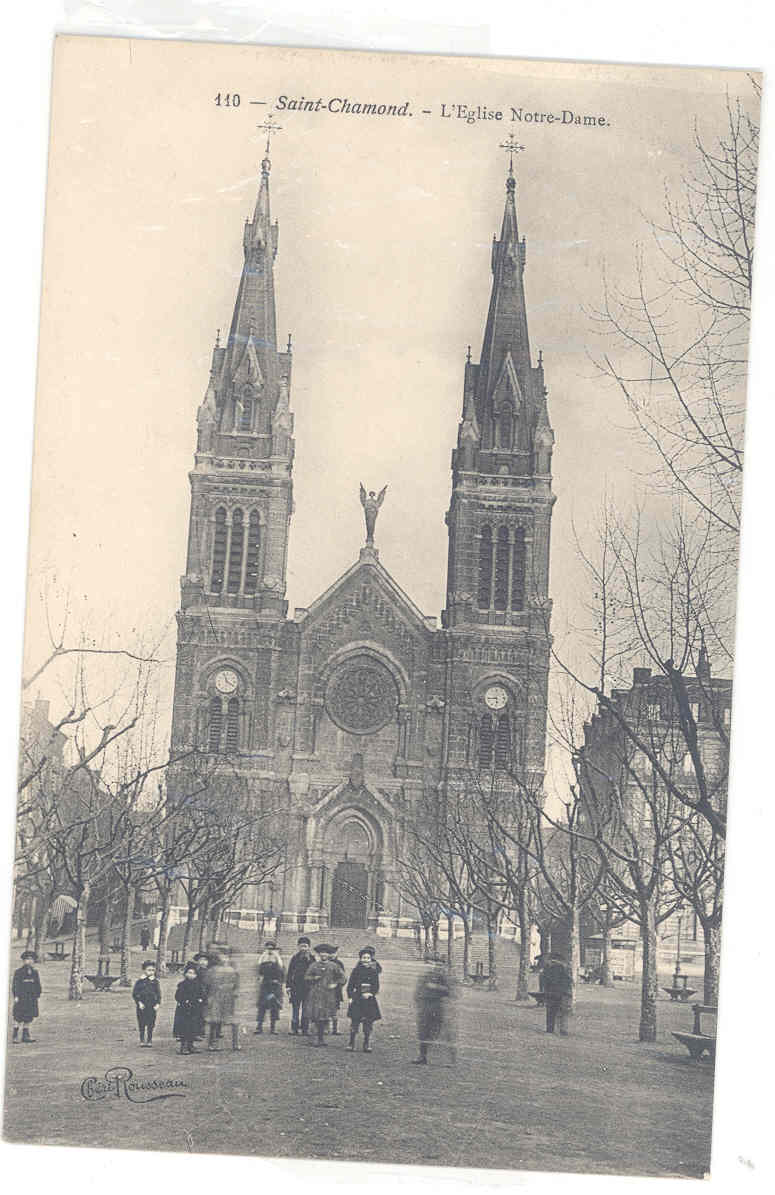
(251, 347)
(505, 333)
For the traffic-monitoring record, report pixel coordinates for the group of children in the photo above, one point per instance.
(207, 999)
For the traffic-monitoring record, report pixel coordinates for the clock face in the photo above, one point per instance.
(496, 697)
(226, 681)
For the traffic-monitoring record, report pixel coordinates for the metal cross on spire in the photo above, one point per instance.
(513, 147)
(268, 127)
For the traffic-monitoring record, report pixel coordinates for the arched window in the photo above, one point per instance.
(518, 571)
(216, 725)
(235, 552)
(254, 547)
(485, 568)
(506, 427)
(219, 551)
(246, 417)
(503, 742)
(502, 569)
(486, 741)
(232, 725)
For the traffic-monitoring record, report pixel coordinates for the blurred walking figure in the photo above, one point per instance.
(271, 974)
(26, 991)
(558, 989)
(362, 989)
(145, 938)
(296, 985)
(221, 982)
(189, 1000)
(434, 1017)
(322, 978)
(339, 991)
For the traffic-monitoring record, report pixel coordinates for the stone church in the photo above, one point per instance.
(351, 712)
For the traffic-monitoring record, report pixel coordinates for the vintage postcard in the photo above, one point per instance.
(377, 695)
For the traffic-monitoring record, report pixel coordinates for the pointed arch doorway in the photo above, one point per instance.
(353, 860)
(349, 895)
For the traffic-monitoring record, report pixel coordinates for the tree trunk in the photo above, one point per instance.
(648, 988)
(164, 923)
(574, 950)
(33, 908)
(78, 957)
(435, 939)
(202, 925)
(450, 940)
(466, 945)
(40, 920)
(606, 966)
(492, 955)
(426, 945)
(104, 926)
(126, 930)
(712, 935)
(523, 919)
(189, 926)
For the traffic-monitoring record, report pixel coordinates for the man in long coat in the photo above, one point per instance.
(558, 989)
(322, 980)
(296, 986)
(26, 992)
(188, 1024)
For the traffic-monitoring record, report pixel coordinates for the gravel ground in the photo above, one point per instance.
(517, 1098)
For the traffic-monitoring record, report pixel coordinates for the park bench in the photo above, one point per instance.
(681, 993)
(698, 1042)
(58, 953)
(115, 945)
(175, 962)
(539, 997)
(103, 980)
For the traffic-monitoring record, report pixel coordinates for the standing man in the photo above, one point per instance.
(296, 986)
(26, 990)
(147, 997)
(431, 997)
(558, 989)
(322, 978)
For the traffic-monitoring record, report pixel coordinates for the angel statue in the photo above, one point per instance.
(371, 504)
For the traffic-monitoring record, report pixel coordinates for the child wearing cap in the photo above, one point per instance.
(26, 991)
(362, 989)
(147, 997)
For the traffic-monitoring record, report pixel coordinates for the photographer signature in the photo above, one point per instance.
(118, 1083)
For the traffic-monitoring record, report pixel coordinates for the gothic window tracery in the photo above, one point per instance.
(485, 568)
(219, 551)
(253, 550)
(518, 562)
(246, 415)
(236, 548)
(502, 569)
(361, 697)
(506, 427)
(215, 727)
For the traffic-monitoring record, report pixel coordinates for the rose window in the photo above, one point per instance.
(362, 697)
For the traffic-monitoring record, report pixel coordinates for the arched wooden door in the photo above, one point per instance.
(350, 895)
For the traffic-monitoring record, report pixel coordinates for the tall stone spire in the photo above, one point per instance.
(253, 324)
(241, 486)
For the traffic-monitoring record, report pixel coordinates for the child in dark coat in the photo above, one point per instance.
(189, 1012)
(147, 997)
(362, 989)
(271, 974)
(26, 990)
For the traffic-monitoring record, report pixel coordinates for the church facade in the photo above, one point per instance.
(351, 713)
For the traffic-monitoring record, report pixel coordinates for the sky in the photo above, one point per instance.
(382, 278)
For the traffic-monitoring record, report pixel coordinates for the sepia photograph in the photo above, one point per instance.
(377, 691)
